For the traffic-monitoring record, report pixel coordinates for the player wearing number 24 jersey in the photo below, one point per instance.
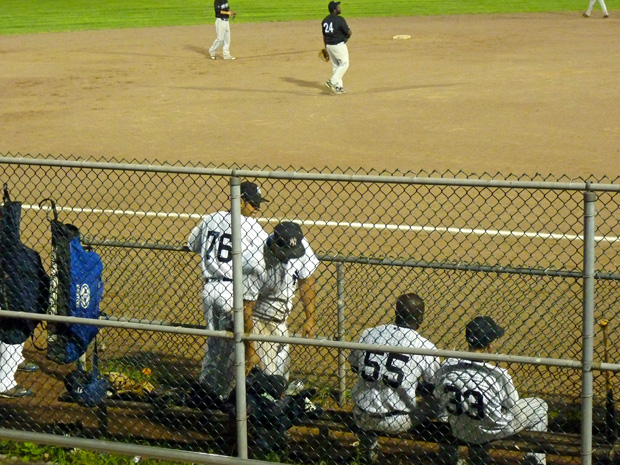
(480, 399)
(385, 392)
(212, 239)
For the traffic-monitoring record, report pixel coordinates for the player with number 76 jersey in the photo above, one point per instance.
(212, 239)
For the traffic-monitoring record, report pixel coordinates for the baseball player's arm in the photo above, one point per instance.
(251, 357)
(307, 294)
(193, 242)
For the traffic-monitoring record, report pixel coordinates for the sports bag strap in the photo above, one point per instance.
(53, 207)
(95, 360)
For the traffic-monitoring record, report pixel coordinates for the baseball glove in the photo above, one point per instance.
(323, 55)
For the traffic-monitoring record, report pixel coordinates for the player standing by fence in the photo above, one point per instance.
(211, 238)
(289, 264)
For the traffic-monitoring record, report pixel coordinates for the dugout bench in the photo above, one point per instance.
(435, 432)
(337, 427)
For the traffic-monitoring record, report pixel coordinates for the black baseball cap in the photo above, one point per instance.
(481, 331)
(288, 238)
(332, 6)
(251, 192)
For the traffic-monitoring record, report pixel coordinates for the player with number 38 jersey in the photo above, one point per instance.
(480, 399)
(385, 392)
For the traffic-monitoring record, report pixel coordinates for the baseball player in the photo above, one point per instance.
(211, 238)
(10, 359)
(223, 15)
(336, 32)
(289, 264)
(480, 399)
(591, 5)
(385, 392)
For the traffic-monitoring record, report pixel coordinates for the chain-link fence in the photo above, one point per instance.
(538, 257)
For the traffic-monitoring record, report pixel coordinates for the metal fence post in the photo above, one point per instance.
(588, 326)
(342, 372)
(239, 327)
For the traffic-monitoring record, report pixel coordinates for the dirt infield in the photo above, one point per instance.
(520, 93)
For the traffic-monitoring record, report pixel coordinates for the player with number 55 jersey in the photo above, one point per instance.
(212, 239)
(385, 392)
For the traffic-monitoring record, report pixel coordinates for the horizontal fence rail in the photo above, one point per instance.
(540, 257)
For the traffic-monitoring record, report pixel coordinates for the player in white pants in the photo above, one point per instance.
(10, 359)
(289, 264)
(591, 5)
(211, 238)
(385, 394)
(222, 29)
(480, 399)
(336, 33)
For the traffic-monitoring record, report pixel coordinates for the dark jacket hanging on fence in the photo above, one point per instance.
(24, 284)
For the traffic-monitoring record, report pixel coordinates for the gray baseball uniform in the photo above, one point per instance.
(482, 403)
(385, 392)
(211, 238)
(275, 287)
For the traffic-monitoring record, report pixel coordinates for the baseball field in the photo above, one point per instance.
(525, 88)
(508, 92)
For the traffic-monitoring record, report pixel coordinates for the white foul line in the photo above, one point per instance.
(345, 224)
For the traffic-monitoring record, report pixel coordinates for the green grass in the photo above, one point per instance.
(34, 16)
(29, 452)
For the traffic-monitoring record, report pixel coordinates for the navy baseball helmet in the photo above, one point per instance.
(251, 192)
(332, 6)
(481, 331)
(287, 238)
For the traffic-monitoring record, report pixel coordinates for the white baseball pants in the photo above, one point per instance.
(10, 357)
(591, 5)
(427, 409)
(275, 357)
(339, 56)
(218, 365)
(222, 37)
(529, 414)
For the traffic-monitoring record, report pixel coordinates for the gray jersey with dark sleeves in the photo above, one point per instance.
(477, 397)
(387, 382)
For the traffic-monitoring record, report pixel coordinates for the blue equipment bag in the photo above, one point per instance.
(24, 285)
(87, 388)
(76, 290)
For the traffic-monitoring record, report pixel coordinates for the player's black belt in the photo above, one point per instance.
(224, 19)
(210, 280)
(393, 413)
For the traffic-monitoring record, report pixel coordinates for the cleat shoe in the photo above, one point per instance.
(605, 16)
(331, 87)
(586, 15)
(295, 387)
(28, 367)
(340, 90)
(212, 57)
(229, 58)
(16, 392)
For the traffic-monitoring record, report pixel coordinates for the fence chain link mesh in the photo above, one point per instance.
(514, 254)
